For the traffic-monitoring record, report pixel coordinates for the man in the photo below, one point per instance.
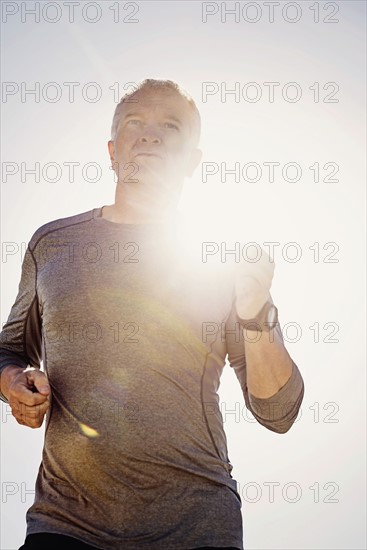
(135, 453)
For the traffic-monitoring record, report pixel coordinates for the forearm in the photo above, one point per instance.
(269, 365)
(274, 385)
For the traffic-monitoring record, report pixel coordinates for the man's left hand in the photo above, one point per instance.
(252, 284)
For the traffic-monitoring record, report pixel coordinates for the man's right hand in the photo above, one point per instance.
(28, 393)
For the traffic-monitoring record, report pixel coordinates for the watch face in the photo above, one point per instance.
(272, 315)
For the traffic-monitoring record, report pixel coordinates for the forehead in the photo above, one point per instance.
(162, 100)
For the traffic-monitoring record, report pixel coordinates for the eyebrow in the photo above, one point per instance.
(131, 114)
(175, 119)
(169, 117)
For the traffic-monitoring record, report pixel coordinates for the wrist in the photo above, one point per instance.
(265, 320)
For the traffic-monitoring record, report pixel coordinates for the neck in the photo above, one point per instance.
(132, 206)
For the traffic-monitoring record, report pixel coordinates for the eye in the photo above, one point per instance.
(133, 122)
(171, 126)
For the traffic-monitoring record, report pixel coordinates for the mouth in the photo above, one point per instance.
(148, 154)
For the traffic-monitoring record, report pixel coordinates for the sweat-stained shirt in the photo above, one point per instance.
(133, 337)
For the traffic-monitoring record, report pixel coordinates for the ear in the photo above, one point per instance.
(114, 164)
(193, 161)
(111, 150)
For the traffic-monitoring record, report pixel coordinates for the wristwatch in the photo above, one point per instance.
(266, 319)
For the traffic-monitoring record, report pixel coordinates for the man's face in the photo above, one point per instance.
(154, 140)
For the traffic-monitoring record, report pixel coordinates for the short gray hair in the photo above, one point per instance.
(149, 83)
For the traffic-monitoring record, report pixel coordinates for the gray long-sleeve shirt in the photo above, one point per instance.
(133, 339)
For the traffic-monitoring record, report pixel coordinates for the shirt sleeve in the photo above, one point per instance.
(21, 337)
(278, 412)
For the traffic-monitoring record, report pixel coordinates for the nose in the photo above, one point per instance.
(150, 134)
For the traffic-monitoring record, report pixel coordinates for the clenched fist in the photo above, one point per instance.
(28, 393)
(252, 285)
